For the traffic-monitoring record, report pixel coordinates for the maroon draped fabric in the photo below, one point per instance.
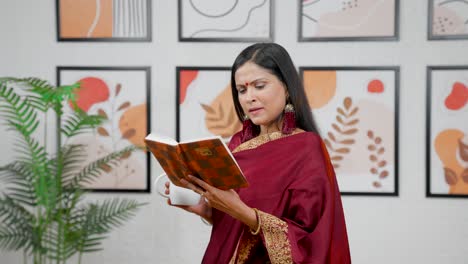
(293, 184)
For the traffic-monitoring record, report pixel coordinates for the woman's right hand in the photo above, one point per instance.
(203, 209)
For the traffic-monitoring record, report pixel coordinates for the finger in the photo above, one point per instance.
(200, 183)
(166, 191)
(192, 186)
(166, 184)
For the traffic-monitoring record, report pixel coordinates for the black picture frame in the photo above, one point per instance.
(270, 38)
(430, 21)
(301, 38)
(179, 69)
(146, 38)
(429, 104)
(147, 162)
(396, 70)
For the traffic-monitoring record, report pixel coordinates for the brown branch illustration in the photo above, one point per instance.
(379, 164)
(340, 137)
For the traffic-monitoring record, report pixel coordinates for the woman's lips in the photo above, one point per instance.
(255, 110)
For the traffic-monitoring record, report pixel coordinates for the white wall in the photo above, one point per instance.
(405, 229)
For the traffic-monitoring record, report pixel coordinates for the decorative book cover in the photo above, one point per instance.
(208, 159)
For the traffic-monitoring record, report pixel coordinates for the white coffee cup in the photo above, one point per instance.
(178, 195)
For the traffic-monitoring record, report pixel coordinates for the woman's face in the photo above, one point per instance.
(261, 94)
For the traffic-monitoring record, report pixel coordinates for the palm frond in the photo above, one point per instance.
(19, 175)
(80, 122)
(15, 228)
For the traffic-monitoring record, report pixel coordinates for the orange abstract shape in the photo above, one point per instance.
(79, 19)
(132, 125)
(186, 78)
(92, 90)
(221, 118)
(446, 147)
(320, 87)
(458, 97)
(375, 86)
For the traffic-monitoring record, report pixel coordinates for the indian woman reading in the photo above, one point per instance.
(291, 212)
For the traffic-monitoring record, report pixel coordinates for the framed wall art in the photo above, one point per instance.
(103, 20)
(447, 131)
(356, 110)
(447, 19)
(226, 21)
(204, 103)
(122, 96)
(348, 20)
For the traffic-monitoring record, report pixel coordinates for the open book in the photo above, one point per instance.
(206, 158)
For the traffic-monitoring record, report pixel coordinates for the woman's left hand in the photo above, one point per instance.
(227, 201)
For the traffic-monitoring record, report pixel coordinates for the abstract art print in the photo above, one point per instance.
(356, 110)
(448, 19)
(226, 21)
(122, 96)
(204, 103)
(347, 20)
(447, 131)
(104, 20)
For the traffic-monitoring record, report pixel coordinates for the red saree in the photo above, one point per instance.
(293, 185)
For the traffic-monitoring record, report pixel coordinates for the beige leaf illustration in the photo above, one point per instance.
(336, 166)
(383, 174)
(378, 140)
(118, 87)
(381, 150)
(377, 184)
(370, 134)
(464, 175)
(373, 171)
(126, 155)
(352, 122)
(450, 176)
(331, 136)
(341, 111)
(103, 132)
(102, 113)
(208, 108)
(350, 131)
(354, 111)
(463, 150)
(342, 150)
(129, 133)
(347, 141)
(371, 147)
(328, 144)
(106, 167)
(336, 158)
(336, 127)
(340, 120)
(123, 106)
(382, 163)
(347, 102)
(373, 158)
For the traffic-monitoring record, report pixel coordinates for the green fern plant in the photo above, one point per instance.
(42, 212)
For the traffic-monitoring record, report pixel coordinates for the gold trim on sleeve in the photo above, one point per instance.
(275, 233)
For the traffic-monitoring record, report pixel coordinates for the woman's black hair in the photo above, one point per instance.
(276, 59)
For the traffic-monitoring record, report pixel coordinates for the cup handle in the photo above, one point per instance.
(156, 184)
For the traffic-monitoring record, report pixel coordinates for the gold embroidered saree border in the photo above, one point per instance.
(262, 139)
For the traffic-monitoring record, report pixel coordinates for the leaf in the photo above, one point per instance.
(118, 87)
(450, 176)
(354, 111)
(102, 113)
(373, 158)
(106, 167)
(350, 131)
(371, 147)
(352, 122)
(383, 174)
(331, 136)
(381, 150)
(126, 155)
(341, 111)
(347, 141)
(129, 133)
(377, 184)
(336, 158)
(123, 106)
(336, 127)
(373, 171)
(463, 150)
(103, 132)
(328, 144)
(370, 134)
(207, 108)
(342, 150)
(464, 175)
(335, 165)
(378, 140)
(347, 102)
(382, 163)
(340, 120)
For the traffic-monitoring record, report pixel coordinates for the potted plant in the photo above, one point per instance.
(42, 210)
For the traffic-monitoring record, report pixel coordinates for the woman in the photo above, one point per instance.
(291, 212)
